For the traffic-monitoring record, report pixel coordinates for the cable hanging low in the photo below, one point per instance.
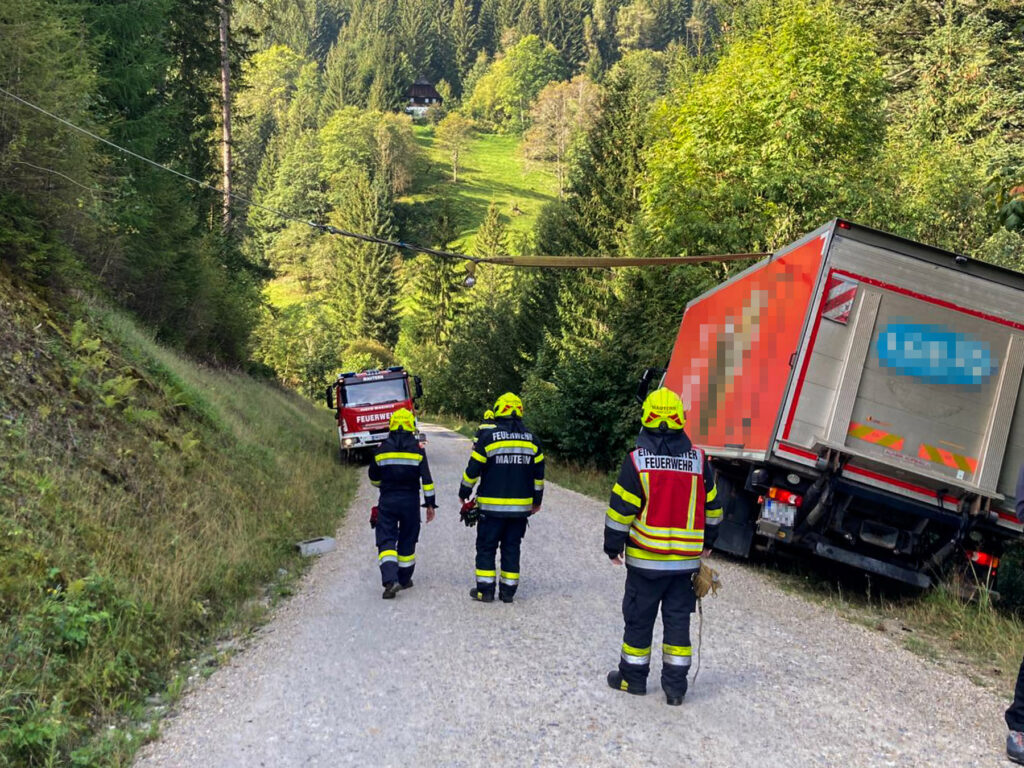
(543, 262)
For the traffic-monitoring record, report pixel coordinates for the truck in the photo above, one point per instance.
(363, 402)
(859, 397)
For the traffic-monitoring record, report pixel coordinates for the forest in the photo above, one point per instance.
(648, 128)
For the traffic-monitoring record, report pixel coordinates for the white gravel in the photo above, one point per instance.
(340, 677)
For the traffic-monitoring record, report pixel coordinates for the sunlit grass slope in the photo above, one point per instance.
(144, 500)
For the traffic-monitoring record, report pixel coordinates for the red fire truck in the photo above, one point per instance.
(364, 402)
(860, 396)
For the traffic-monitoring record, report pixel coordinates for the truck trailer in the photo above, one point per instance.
(859, 396)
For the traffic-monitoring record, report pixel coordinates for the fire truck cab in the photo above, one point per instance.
(364, 401)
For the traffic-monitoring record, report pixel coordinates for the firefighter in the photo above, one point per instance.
(487, 423)
(1015, 714)
(508, 462)
(664, 513)
(398, 468)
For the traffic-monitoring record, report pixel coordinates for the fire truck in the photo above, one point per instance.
(859, 396)
(364, 402)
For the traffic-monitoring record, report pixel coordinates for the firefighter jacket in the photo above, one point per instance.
(398, 468)
(664, 508)
(509, 463)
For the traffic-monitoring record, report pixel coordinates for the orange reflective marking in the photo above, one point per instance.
(876, 436)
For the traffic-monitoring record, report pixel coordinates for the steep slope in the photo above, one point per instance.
(143, 500)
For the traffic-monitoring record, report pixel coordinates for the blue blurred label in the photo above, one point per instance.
(934, 353)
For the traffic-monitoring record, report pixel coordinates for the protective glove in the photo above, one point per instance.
(469, 514)
(705, 580)
(373, 516)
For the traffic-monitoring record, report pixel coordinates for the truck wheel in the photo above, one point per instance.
(739, 512)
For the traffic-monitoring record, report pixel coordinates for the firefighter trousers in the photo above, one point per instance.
(644, 595)
(1015, 714)
(398, 529)
(492, 533)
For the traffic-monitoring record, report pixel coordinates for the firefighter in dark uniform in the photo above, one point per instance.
(398, 468)
(664, 513)
(508, 462)
(1015, 713)
(487, 423)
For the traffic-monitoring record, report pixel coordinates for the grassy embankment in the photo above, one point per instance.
(490, 170)
(937, 625)
(148, 507)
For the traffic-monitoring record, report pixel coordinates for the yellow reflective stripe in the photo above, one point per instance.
(538, 485)
(375, 483)
(538, 458)
(713, 513)
(691, 513)
(507, 575)
(643, 554)
(675, 533)
(511, 444)
(626, 648)
(626, 496)
(387, 553)
(406, 558)
(677, 650)
(676, 545)
(428, 486)
(478, 457)
(468, 480)
(624, 519)
(713, 493)
(400, 455)
(510, 502)
(484, 573)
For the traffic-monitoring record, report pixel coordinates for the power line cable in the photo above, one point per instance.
(556, 262)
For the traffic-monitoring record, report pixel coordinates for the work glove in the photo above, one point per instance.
(705, 580)
(373, 517)
(469, 514)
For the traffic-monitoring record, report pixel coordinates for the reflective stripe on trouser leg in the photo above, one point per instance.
(677, 604)
(488, 537)
(387, 559)
(512, 531)
(386, 535)
(639, 610)
(408, 534)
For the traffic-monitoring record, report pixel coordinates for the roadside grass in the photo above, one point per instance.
(149, 507)
(490, 170)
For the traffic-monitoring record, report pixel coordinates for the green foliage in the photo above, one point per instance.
(503, 95)
(770, 142)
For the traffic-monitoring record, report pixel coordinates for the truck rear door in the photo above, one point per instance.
(912, 369)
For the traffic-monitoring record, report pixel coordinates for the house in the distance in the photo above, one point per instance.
(420, 97)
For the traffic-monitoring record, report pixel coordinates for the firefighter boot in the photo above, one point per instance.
(1015, 747)
(618, 682)
(390, 590)
(480, 595)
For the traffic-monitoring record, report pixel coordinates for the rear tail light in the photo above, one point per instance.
(984, 559)
(783, 496)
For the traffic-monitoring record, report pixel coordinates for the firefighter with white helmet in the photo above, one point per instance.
(399, 468)
(508, 462)
(663, 513)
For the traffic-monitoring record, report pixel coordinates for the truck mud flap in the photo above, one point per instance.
(906, 575)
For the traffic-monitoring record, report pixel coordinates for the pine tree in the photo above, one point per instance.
(464, 34)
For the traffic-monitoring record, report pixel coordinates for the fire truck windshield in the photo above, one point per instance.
(375, 392)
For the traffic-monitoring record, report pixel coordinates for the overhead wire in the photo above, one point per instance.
(548, 262)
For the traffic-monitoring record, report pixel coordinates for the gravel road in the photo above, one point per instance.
(340, 677)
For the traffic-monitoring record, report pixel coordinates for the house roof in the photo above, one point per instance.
(423, 89)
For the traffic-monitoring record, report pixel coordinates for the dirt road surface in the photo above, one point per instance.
(341, 677)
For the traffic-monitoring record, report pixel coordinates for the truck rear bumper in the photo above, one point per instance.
(906, 575)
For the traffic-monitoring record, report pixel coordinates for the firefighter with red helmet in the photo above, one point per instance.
(664, 514)
(508, 462)
(399, 468)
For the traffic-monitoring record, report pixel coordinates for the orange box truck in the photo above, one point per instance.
(859, 396)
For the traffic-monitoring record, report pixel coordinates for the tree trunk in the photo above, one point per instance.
(225, 97)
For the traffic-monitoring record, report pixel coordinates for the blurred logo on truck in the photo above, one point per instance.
(934, 353)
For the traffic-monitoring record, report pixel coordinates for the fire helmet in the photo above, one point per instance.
(508, 405)
(663, 406)
(402, 419)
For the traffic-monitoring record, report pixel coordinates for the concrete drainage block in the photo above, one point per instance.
(317, 546)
